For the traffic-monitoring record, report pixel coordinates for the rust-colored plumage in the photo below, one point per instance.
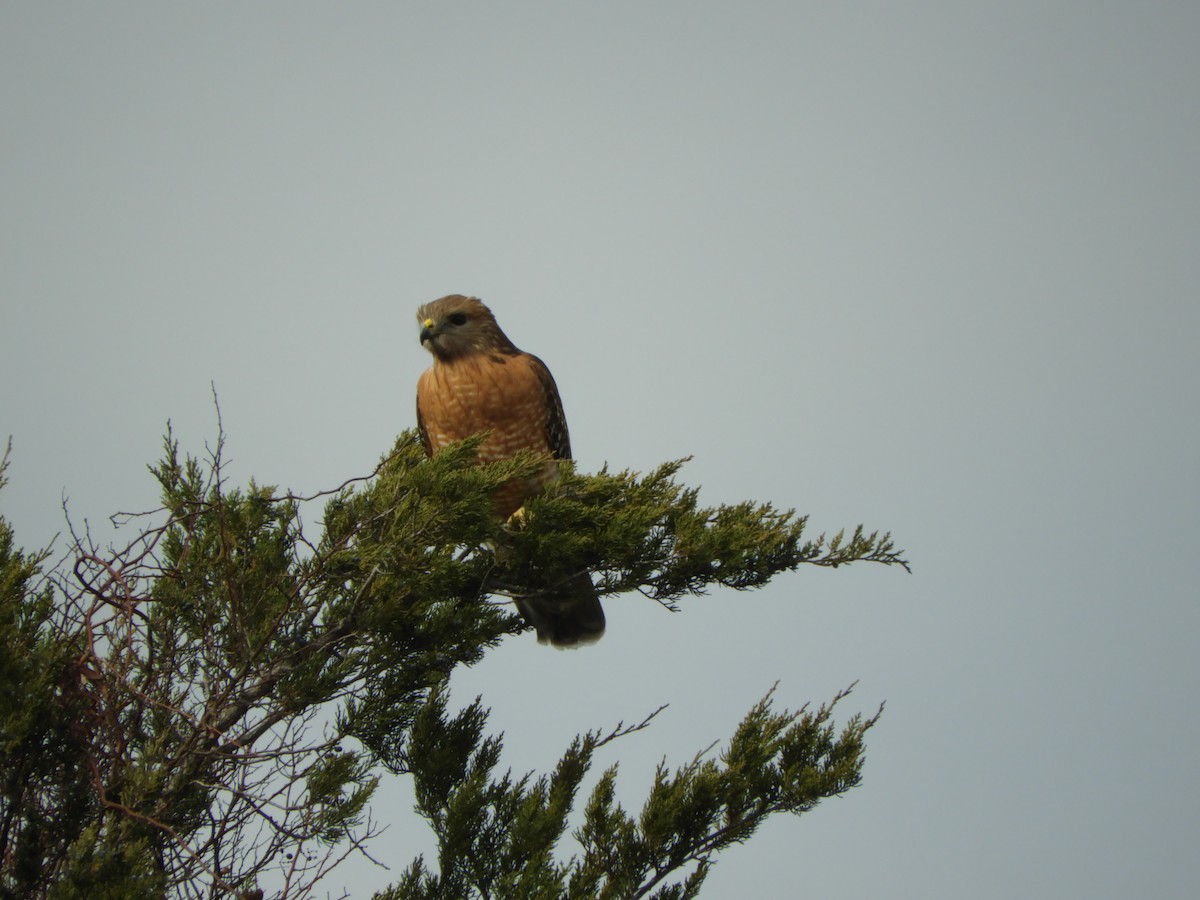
(481, 382)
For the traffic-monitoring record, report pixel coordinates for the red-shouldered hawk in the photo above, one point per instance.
(480, 381)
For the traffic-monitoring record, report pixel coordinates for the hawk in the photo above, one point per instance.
(481, 382)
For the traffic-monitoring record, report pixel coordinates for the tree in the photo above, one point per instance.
(210, 705)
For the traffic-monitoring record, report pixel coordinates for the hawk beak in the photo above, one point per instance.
(428, 331)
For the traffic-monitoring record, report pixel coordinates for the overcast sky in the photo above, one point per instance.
(931, 267)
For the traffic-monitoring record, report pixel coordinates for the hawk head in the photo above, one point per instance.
(457, 326)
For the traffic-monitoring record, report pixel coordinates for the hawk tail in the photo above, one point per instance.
(568, 617)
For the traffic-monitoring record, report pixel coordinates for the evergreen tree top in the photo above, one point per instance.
(207, 709)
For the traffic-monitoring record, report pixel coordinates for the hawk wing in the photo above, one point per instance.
(423, 431)
(557, 436)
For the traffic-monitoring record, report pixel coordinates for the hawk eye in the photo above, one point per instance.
(458, 318)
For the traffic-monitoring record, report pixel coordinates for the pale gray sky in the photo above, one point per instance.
(931, 267)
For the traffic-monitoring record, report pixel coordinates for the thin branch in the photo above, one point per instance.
(620, 730)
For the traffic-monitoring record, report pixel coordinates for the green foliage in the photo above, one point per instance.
(648, 533)
(498, 836)
(209, 707)
(109, 867)
(45, 798)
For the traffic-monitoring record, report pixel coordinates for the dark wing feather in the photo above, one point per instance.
(423, 431)
(556, 421)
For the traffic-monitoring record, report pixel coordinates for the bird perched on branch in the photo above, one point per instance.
(481, 382)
